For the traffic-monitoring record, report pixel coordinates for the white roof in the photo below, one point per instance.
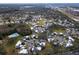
(42, 43)
(39, 48)
(21, 46)
(55, 33)
(71, 38)
(36, 30)
(27, 36)
(33, 35)
(23, 51)
(69, 43)
(50, 39)
(55, 43)
(33, 49)
(13, 35)
(31, 28)
(18, 43)
(60, 33)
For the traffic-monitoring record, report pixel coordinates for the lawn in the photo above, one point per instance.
(57, 28)
(41, 22)
(10, 45)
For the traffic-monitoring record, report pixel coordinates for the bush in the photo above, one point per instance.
(2, 51)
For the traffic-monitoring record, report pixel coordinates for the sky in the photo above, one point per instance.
(39, 1)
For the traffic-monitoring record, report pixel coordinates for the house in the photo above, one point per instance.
(33, 48)
(52, 34)
(36, 31)
(70, 41)
(21, 46)
(23, 51)
(32, 28)
(18, 44)
(70, 38)
(42, 44)
(13, 35)
(26, 38)
(50, 39)
(60, 33)
(38, 48)
(55, 33)
(33, 36)
(69, 44)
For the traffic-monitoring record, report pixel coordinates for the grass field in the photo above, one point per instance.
(10, 45)
(41, 22)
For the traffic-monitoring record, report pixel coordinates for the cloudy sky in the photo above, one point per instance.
(39, 1)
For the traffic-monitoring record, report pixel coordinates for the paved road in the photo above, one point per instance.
(69, 15)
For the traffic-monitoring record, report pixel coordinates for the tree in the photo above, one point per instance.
(1, 36)
(2, 50)
(24, 30)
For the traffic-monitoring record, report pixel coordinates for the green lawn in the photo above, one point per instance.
(59, 30)
(41, 22)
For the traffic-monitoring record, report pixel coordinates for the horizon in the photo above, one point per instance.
(14, 5)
